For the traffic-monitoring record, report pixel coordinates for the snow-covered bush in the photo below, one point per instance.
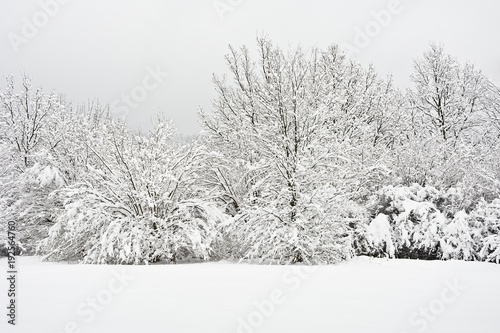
(457, 241)
(415, 230)
(379, 236)
(139, 202)
(486, 219)
(424, 223)
(93, 229)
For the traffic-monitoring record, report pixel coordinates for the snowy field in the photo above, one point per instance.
(363, 295)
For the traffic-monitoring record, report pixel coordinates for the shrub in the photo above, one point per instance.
(424, 223)
(486, 220)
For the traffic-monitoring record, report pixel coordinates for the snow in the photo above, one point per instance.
(362, 295)
(379, 233)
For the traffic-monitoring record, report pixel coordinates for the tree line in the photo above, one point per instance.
(295, 163)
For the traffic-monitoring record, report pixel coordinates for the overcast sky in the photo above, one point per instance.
(111, 49)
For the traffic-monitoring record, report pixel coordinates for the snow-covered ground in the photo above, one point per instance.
(362, 295)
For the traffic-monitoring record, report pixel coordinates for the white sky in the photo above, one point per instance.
(103, 49)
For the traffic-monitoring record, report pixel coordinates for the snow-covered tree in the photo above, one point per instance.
(449, 97)
(298, 129)
(453, 142)
(25, 118)
(493, 109)
(27, 177)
